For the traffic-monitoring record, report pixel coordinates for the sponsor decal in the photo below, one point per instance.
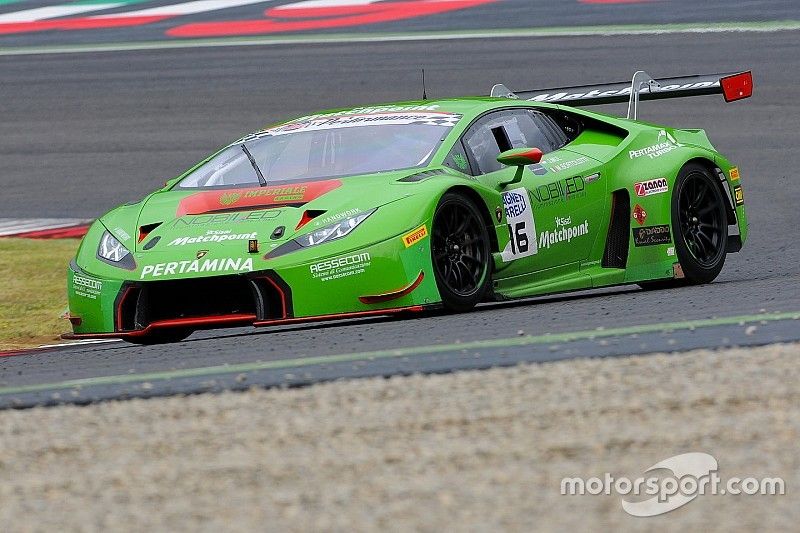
(225, 218)
(594, 93)
(209, 201)
(538, 169)
(87, 287)
(639, 214)
(559, 191)
(551, 159)
(734, 173)
(229, 198)
(520, 224)
(197, 266)
(651, 235)
(565, 231)
(569, 164)
(354, 120)
(738, 195)
(372, 109)
(201, 254)
(413, 237)
(341, 267)
(337, 217)
(671, 251)
(498, 213)
(655, 186)
(460, 161)
(213, 236)
(592, 178)
(665, 144)
(122, 234)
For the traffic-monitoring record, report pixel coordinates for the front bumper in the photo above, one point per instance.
(384, 278)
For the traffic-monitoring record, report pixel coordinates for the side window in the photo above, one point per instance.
(503, 130)
(484, 141)
(457, 159)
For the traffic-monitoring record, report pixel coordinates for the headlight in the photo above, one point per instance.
(112, 251)
(334, 231)
(326, 234)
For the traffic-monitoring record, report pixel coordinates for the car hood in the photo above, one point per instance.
(176, 219)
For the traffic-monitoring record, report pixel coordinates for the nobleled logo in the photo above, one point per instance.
(649, 187)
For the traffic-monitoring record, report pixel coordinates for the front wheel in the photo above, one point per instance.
(460, 252)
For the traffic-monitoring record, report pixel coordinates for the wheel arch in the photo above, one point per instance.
(483, 208)
(715, 171)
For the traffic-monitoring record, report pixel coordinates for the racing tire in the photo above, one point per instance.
(161, 336)
(699, 227)
(460, 252)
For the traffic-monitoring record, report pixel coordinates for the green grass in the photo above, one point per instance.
(33, 292)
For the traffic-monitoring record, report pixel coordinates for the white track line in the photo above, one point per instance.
(586, 31)
(50, 12)
(79, 343)
(10, 226)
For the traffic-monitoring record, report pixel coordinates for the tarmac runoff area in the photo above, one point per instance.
(464, 451)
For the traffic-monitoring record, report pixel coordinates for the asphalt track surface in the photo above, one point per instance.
(83, 132)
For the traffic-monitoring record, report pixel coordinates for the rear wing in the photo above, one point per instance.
(732, 85)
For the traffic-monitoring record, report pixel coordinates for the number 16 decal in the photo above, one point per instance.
(521, 227)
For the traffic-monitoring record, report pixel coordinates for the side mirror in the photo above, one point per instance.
(520, 158)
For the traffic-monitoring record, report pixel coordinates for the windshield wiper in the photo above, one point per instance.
(261, 180)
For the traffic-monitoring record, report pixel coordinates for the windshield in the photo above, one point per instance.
(326, 147)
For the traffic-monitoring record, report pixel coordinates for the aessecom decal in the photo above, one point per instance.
(652, 235)
(86, 287)
(341, 267)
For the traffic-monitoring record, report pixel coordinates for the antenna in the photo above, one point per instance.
(424, 92)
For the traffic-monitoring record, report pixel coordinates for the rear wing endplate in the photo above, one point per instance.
(732, 85)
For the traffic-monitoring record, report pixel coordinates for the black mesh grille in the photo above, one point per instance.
(142, 304)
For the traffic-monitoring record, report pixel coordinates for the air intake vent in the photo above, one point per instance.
(419, 176)
(616, 254)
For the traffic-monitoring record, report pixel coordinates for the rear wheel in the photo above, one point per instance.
(699, 227)
(700, 223)
(460, 252)
(161, 336)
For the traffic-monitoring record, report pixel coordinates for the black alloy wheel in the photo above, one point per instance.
(461, 254)
(700, 224)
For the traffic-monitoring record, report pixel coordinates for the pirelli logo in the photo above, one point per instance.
(409, 239)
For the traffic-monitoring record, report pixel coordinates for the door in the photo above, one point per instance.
(553, 213)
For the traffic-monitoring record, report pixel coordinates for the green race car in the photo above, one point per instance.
(403, 207)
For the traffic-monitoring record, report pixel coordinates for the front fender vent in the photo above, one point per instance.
(420, 176)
